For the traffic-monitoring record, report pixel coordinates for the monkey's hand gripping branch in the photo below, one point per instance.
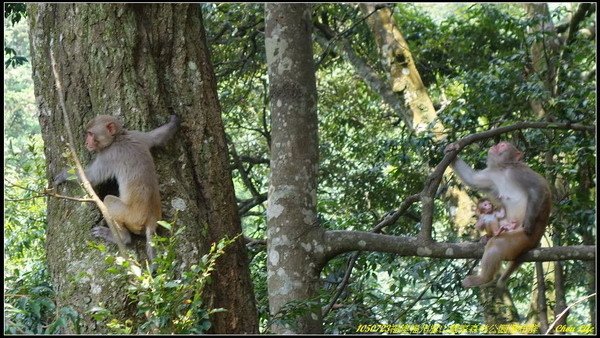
(86, 183)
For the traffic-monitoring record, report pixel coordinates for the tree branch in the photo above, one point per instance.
(367, 73)
(393, 217)
(50, 192)
(435, 177)
(247, 205)
(559, 317)
(579, 15)
(417, 299)
(342, 286)
(254, 160)
(46, 192)
(240, 167)
(340, 241)
(387, 220)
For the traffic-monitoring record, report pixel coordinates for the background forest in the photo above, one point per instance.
(482, 65)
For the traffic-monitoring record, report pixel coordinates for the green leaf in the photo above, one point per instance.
(165, 225)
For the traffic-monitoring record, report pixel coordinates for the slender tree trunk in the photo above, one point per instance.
(403, 72)
(405, 78)
(294, 236)
(585, 194)
(142, 63)
(545, 52)
(366, 72)
(540, 302)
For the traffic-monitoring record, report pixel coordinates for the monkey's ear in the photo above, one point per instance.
(112, 128)
(518, 155)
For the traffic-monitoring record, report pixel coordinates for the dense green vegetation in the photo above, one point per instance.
(28, 294)
(475, 61)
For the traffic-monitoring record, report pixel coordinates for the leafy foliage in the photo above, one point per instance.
(475, 60)
(167, 300)
(13, 60)
(29, 297)
(14, 13)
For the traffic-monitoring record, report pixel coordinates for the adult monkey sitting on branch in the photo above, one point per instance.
(526, 197)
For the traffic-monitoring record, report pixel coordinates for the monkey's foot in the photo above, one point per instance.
(103, 232)
(472, 281)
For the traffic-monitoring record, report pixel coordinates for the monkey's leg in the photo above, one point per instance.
(514, 265)
(150, 231)
(490, 263)
(129, 216)
(119, 212)
(134, 219)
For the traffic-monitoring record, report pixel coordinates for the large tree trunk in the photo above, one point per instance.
(142, 63)
(294, 236)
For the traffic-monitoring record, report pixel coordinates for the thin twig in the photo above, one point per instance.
(567, 309)
(85, 182)
(46, 192)
(343, 283)
(387, 220)
(49, 192)
(420, 296)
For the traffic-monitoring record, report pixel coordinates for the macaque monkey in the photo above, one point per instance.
(125, 156)
(526, 197)
(491, 219)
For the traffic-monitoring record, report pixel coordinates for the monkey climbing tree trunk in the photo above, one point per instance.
(140, 62)
(294, 236)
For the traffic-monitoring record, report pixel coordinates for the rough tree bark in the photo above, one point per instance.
(142, 63)
(294, 237)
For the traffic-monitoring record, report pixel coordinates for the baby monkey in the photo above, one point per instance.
(491, 219)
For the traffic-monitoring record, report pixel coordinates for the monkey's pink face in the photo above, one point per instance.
(485, 207)
(499, 148)
(90, 141)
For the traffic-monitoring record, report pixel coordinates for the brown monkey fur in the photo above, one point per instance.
(526, 197)
(125, 156)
